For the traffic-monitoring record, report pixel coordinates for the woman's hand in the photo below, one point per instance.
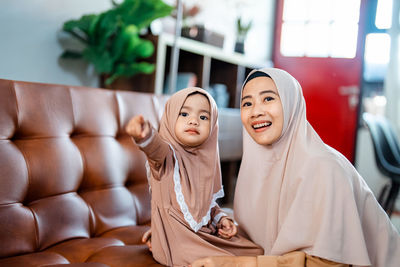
(225, 261)
(146, 238)
(226, 228)
(138, 128)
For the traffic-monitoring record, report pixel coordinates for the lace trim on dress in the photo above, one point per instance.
(182, 204)
(148, 174)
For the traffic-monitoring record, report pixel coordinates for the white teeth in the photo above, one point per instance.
(259, 125)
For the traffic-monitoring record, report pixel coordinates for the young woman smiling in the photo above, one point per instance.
(302, 201)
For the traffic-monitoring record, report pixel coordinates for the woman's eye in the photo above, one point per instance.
(246, 104)
(183, 114)
(269, 98)
(203, 117)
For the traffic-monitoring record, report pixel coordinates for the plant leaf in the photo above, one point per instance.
(127, 70)
(83, 24)
(71, 54)
(101, 59)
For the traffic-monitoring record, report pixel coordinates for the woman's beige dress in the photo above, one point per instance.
(307, 197)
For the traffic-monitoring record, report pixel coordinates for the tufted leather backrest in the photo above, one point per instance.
(67, 168)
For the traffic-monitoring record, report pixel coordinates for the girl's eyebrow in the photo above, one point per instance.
(202, 110)
(186, 107)
(205, 111)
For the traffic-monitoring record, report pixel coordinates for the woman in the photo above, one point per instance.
(298, 198)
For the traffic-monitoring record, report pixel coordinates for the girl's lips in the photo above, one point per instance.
(192, 131)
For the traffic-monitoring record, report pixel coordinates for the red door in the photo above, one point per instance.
(320, 42)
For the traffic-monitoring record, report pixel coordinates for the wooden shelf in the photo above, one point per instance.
(211, 64)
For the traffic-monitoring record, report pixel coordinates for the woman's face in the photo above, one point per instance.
(262, 112)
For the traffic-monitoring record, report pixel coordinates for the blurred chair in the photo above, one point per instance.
(387, 157)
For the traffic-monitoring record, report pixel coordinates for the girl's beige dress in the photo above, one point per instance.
(185, 184)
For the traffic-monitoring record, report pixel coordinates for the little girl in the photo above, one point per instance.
(186, 221)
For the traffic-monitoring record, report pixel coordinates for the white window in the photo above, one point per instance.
(320, 28)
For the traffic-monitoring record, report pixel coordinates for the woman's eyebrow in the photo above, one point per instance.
(245, 97)
(269, 92)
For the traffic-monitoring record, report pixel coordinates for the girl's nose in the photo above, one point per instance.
(193, 121)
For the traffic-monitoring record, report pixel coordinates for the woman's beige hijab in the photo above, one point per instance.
(301, 194)
(199, 167)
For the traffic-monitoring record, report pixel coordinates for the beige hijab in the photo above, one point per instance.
(300, 194)
(197, 173)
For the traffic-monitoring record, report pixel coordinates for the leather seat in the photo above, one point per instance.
(387, 157)
(73, 187)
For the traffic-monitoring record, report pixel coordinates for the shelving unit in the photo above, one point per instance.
(211, 65)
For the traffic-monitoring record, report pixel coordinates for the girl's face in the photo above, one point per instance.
(192, 127)
(262, 112)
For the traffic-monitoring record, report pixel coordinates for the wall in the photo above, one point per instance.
(220, 16)
(30, 40)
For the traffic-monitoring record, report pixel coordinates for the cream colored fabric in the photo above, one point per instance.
(191, 176)
(295, 259)
(299, 194)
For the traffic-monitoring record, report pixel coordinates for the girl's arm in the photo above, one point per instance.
(217, 214)
(148, 140)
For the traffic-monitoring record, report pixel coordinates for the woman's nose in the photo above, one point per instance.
(257, 111)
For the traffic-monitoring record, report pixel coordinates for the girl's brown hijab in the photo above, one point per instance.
(199, 167)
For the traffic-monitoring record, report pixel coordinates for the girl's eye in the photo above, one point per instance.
(269, 98)
(183, 114)
(203, 117)
(246, 104)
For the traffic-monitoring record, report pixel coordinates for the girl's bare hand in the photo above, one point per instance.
(146, 238)
(226, 228)
(138, 128)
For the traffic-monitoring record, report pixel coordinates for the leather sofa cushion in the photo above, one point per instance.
(73, 185)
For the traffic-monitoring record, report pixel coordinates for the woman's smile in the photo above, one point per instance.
(260, 126)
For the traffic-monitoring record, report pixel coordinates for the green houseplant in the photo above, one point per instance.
(112, 41)
(241, 33)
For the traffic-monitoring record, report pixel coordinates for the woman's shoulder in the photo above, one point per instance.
(329, 167)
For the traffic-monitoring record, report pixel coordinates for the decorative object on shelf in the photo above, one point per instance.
(112, 40)
(183, 80)
(197, 31)
(189, 13)
(241, 33)
(200, 33)
(219, 92)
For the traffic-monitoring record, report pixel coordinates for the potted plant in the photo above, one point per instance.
(112, 40)
(241, 33)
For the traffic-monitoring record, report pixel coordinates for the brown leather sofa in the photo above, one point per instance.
(73, 187)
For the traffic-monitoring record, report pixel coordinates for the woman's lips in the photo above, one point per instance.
(260, 126)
